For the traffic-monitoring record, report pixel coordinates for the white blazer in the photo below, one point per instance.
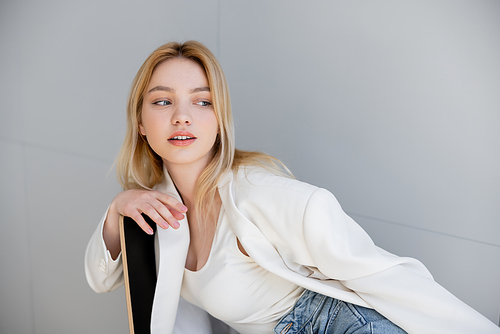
(300, 233)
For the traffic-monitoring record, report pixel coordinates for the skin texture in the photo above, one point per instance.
(177, 102)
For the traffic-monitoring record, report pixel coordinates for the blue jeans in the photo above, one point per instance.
(318, 314)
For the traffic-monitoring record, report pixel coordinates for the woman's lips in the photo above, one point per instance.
(181, 142)
(181, 138)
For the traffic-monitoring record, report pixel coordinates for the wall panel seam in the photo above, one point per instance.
(353, 214)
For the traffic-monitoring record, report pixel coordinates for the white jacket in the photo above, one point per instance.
(299, 232)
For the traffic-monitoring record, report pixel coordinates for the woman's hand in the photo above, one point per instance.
(163, 209)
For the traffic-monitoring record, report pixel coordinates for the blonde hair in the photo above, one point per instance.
(139, 167)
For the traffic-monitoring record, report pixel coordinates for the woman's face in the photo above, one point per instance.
(178, 118)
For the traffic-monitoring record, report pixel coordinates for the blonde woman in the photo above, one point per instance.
(239, 237)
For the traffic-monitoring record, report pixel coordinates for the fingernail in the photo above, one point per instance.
(150, 231)
(184, 208)
(164, 226)
(176, 224)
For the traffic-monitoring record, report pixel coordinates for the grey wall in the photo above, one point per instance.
(393, 106)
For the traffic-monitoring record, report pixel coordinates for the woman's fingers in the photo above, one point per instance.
(178, 215)
(137, 217)
(171, 202)
(163, 209)
(160, 213)
(169, 208)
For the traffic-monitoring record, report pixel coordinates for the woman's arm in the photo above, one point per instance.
(103, 267)
(399, 288)
(163, 209)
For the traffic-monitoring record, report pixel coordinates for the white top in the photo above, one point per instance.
(300, 233)
(235, 289)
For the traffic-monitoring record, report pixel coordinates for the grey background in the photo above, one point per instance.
(393, 106)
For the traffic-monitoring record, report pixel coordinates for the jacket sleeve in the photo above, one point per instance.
(399, 288)
(103, 273)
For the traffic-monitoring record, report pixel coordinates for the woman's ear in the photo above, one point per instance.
(142, 130)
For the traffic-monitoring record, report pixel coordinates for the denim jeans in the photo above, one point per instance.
(317, 314)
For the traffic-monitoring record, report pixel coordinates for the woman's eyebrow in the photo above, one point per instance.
(168, 89)
(200, 89)
(163, 88)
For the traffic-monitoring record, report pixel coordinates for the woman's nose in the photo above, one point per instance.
(181, 115)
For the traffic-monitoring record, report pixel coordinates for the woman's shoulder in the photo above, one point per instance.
(255, 180)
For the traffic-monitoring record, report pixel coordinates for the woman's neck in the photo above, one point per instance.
(185, 178)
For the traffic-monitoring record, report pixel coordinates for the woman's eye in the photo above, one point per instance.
(162, 103)
(204, 103)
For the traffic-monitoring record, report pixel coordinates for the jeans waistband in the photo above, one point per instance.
(304, 310)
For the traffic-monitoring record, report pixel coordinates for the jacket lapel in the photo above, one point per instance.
(173, 246)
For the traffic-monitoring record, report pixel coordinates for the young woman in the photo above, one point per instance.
(262, 251)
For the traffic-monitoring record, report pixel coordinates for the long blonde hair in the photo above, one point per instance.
(139, 167)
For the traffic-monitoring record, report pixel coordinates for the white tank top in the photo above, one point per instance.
(235, 289)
